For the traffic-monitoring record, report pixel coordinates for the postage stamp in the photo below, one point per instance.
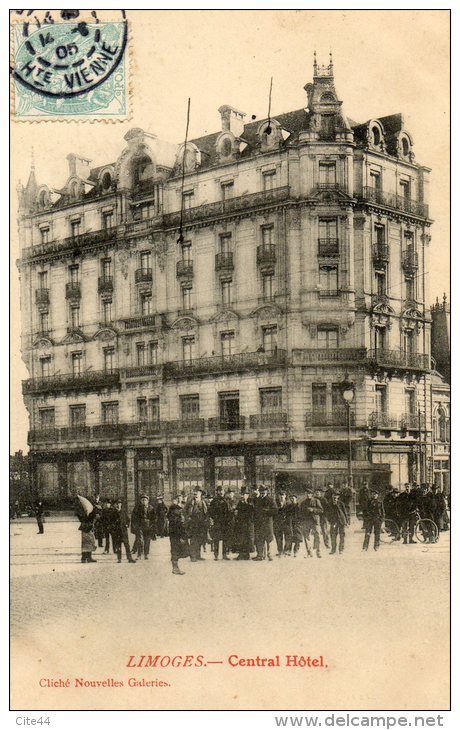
(72, 66)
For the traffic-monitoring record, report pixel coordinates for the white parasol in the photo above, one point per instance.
(86, 504)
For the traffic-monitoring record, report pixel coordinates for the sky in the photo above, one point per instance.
(384, 62)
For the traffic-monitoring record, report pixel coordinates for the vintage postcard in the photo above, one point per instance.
(230, 452)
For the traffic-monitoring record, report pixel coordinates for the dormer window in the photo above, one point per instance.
(226, 148)
(142, 169)
(106, 181)
(376, 136)
(74, 190)
(405, 146)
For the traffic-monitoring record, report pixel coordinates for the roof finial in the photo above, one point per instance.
(32, 159)
(315, 65)
(444, 301)
(330, 62)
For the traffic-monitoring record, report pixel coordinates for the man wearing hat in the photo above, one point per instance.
(338, 520)
(196, 520)
(264, 511)
(119, 530)
(374, 519)
(178, 539)
(244, 526)
(282, 524)
(219, 523)
(310, 511)
(161, 517)
(143, 525)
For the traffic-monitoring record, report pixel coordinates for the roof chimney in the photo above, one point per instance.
(232, 120)
(78, 166)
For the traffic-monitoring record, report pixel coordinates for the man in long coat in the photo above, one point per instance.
(282, 524)
(220, 523)
(338, 520)
(310, 511)
(196, 519)
(374, 517)
(178, 538)
(119, 530)
(162, 518)
(244, 526)
(143, 525)
(264, 511)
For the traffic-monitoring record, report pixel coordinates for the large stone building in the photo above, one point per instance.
(189, 313)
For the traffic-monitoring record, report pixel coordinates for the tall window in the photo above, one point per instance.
(379, 235)
(186, 251)
(409, 342)
(337, 399)
(328, 280)
(227, 189)
(46, 419)
(227, 343)
(268, 282)
(375, 179)
(410, 401)
(327, 125)
(107, 220)
(107, 311)
(380, 278)
(75, 227)
(381, 404)
(327, 174)
(186, 298)
(77, 361)
(188, 200)
(410, 289)
(146, 303)
(328, 228)
(74, 274)
(270, 400)
(45, 367)
(145, 260)
(140, 354)
(404, 189)
(142, 410)
(328, 338)
(442, 426)
(106, 268)
(147, 211)
(269, 338)
(43, 280)
(154, 409)
(109, 412)
(225, 243)
(267, 235)
(74, 316)
(45, 234)
(319, 397)
(109, 359)
(77, 416)
(189, 407)
(153, 353)
(188, 348)
(269, 180)
(44, 322)
(226, 292)
(379, 338)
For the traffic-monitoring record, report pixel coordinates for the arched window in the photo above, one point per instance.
(405, 146)
(375, 135)
(226, 147)
(327, 97)
(442, 425)
(74, 190)
(43, 199)
(142, 169)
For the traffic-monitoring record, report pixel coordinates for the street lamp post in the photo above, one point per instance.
(347, 389)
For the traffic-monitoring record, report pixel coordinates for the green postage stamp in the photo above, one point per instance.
(70, 65)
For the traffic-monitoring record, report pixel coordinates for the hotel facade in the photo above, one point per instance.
(191, 312)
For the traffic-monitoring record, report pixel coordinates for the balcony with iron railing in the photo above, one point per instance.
(329, 293)
(383, 421)
(143, 275)
(337, 418)
(328, 247)
(261, 199)
(73, 290)
(89, 380)
(184, 269)
(105, 284)
(397, 202)
(277, 419)
(328, 355)
(140, 371)
(331, 186)
(380, 253)
(409, 422)
(240, 362)
(266, 254)
(48, 435)
(399, 359)
(75, 433)
(156, 321)
(186, 425)
(409, 262)
(221, 423)
(224, 261)
(82, 240)
(42, 296)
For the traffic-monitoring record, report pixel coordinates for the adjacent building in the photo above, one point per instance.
(190, 313)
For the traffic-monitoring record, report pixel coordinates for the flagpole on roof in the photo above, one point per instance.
(181, 237)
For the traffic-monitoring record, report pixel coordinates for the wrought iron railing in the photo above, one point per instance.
(410, 262)
(226, 363)
(328, 247)
(383, 421)
(224, 261)
(142, 370)
(277, 419)
(105, 284)
(184, 268)
(227, 424)
(409, 421)
(73, 290)
(399, 358)
(143, 275)
(398, 202)
(71, 242)
(88, 380)
(266, 253)
(380, 253)
(338, 417)
(336, 354)
(42, 296)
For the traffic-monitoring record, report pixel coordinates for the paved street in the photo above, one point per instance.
(380, 621)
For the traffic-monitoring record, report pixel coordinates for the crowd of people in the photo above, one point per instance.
(243, 526)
